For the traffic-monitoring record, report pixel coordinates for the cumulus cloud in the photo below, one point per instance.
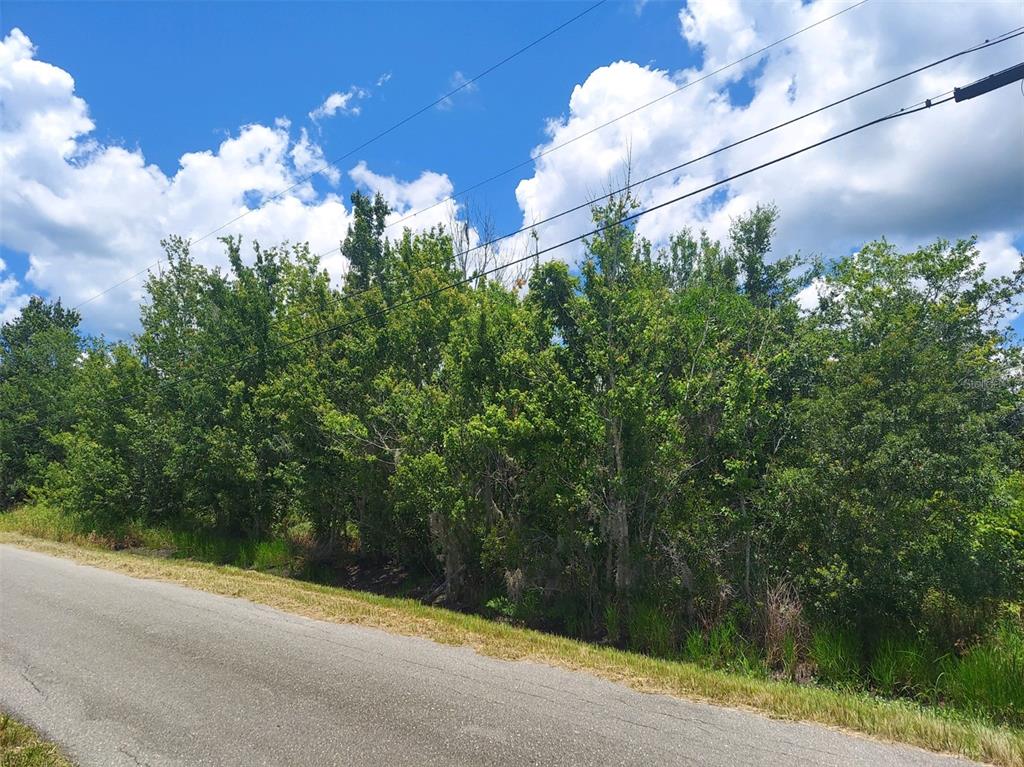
(420, 204)
(11, 300)
(308, 158)
(405, 197)
(952, 172)
(340, 101)
(90, 214)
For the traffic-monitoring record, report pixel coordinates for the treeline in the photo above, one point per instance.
(657, 443)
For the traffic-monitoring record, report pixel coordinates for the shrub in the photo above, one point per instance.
(785, 632)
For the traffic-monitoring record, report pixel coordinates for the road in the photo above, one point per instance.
(121, 671)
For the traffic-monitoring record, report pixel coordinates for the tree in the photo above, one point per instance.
(892, 486)
(39, 354)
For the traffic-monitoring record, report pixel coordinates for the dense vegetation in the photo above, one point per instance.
(660, 450)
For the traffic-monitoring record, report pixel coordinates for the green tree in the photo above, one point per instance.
(39, 355)
(891, 487)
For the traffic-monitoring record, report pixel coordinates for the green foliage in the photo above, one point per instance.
(641, 450)
(38, 353)
(725, 647)
(836, 656)
(650, 629)
(903, 667)
(989, 678)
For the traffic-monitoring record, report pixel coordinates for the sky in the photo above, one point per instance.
(123, 123)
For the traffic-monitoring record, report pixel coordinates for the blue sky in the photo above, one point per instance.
(199, 90)
(177, 77)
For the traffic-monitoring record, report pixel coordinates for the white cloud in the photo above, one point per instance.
(407, 197)
(11, 300)
(998, 253)
(954, 171)
(90, 214)
(383, 79)
(723, 30)
(458, 83)
(342, 102)
(308, 159)
(420, 204)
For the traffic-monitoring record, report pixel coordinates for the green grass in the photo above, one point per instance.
(21, 746)
(902, 721)
(990, 676)
(836, 656)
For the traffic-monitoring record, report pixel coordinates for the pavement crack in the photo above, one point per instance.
(35, 687)
(134, 757)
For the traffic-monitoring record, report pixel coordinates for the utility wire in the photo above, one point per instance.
(512, 168)
(376, 137)
(533, 158)
(1005, 37)
(577, 238)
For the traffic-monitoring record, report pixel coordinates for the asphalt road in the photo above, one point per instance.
(121, 671)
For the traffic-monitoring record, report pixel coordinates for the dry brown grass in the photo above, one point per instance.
(853, 712)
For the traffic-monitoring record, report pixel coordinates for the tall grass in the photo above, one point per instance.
(274, 554)
(836, 657)
(989, 678)
(904, 667)
(41, 521)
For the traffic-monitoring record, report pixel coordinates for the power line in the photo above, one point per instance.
(512, 168)
(689, 83)
(1005, 37)
(981, 46)
(577, 238)
(376, 137)
(1002, 38)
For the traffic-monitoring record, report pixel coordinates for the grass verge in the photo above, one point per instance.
(21, 746)
(855, 712)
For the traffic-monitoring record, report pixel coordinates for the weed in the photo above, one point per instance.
(836, 657)
(650, 629)
(989, 678)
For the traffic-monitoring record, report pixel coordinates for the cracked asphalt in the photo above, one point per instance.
(121, 671)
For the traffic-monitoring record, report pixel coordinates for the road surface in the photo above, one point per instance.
(120, 671)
